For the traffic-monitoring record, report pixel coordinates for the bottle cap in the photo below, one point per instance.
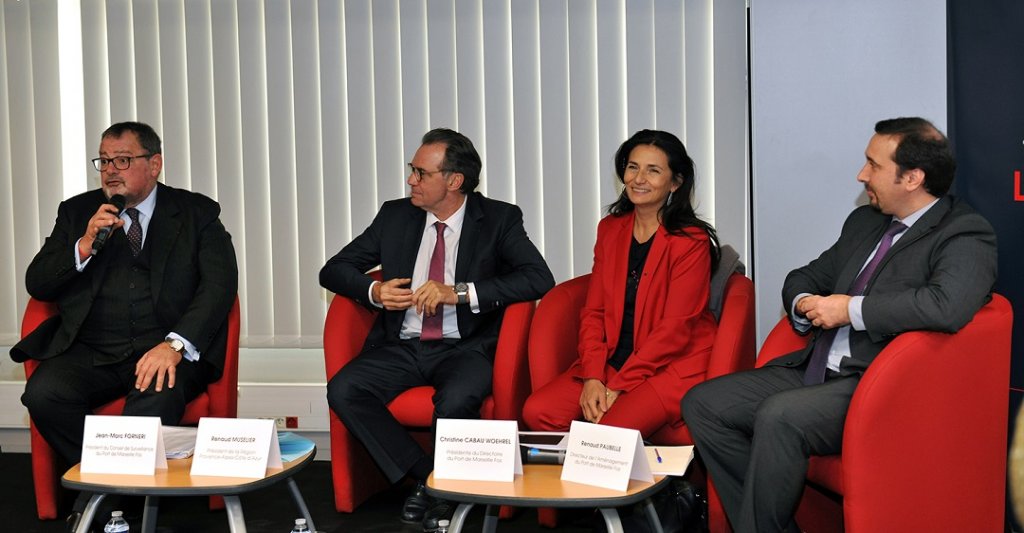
(443, 523)
(116, 514)
(300, 521)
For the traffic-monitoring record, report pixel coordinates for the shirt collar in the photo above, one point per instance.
(455, 221)
(147, 206)
(916, 215)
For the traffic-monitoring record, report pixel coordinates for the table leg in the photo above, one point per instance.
(149, 512)
(301, 503)
(652, 516)
(611, 519)
(89, 513)
(236, 521)
(459, 518)
(491, 519)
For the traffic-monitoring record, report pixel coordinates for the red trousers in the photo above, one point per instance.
(554, 406)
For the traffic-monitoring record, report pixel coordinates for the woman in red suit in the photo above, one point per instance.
(645, 330)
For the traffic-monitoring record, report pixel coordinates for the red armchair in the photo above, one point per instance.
(924, 446)
(554, 339)
(220, 400)
(356, 476)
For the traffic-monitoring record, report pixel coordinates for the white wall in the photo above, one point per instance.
(822, 74)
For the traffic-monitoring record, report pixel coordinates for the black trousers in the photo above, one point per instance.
(756, 430)
(360, 391)
(66, 388)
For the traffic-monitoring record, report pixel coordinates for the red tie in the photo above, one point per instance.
(433, 326)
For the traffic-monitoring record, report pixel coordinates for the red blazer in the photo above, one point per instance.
(673, 328)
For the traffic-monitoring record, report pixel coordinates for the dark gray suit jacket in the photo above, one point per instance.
(936, 276)
(494, 253)
(194, 275)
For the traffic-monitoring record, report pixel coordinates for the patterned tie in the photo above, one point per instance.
(134, 232)
(815, 372)
(433, 326)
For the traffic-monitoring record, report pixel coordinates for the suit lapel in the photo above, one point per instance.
(161, 235)
(467, 240)
(922, 227)
(860, 255)
(409, 245)
(653, 263)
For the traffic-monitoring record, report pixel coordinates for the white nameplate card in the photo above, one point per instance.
(477, 450)
(605, 456)
(123, 445)
(236, 447)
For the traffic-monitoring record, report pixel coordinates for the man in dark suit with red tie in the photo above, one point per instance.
(451, 260)
(915, 259)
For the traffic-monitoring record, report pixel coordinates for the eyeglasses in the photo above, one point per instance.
(121, 162)
(419, 173)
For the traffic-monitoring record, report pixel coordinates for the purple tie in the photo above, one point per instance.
(815, 372)
(134, 232)
(433, 326)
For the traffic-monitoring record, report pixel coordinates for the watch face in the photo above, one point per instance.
(461, 287)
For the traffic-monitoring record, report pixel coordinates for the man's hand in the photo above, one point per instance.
(826, 312)
(595, 400)
(393, 294)
(105, 217)
(157, 363)
(431, 296)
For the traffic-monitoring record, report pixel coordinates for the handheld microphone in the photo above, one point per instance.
(102, 235)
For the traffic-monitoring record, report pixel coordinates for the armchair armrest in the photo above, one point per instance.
(345, 330)
(925, 436)
(511, 370)
(782, 340)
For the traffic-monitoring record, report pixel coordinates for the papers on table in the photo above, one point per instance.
(179, 442)
(293, 446)
(674, 459)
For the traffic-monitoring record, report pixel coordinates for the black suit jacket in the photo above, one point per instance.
(194, 276)
(494, 253)
(935, 277)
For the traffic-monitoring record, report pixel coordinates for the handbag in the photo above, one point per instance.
(681, 508)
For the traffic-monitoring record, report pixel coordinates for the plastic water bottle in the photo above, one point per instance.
(300, 526)
(116, 523)
(442, 526)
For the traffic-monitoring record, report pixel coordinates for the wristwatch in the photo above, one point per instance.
(462, 292)
(176, 345)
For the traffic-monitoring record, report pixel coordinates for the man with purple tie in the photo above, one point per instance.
(451, 260)
(915, 259)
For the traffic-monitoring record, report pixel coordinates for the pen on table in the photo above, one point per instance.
(658, 455)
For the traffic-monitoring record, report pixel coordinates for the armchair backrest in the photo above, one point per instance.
(554, 332)
(734, 347)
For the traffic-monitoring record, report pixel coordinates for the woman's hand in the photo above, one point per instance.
(594, 400)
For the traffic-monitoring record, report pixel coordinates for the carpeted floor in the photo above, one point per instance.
(270, 510)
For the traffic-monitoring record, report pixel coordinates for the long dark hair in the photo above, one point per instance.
(677, 214)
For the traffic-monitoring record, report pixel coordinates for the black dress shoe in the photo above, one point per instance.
(416, 504)
(441, 510)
